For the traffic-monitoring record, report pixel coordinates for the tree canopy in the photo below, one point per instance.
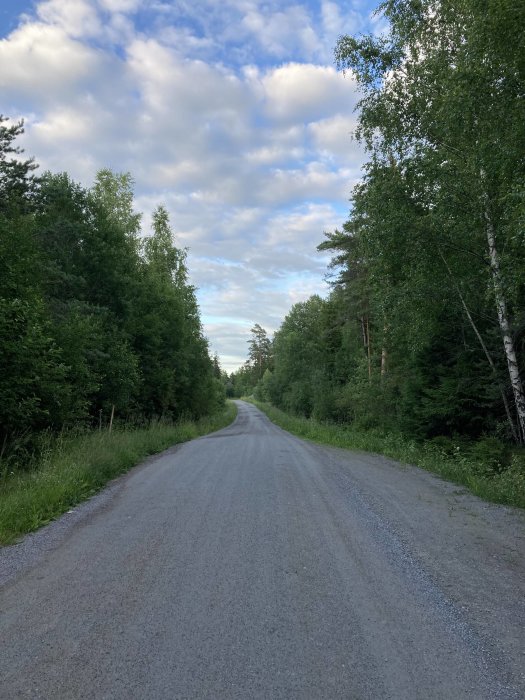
(423, 331)
(93, 318)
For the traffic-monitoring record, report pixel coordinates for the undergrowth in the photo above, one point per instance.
(476, 467)
(74, 467)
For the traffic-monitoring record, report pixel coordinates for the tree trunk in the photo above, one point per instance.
(384, 352)
(368, 348)
(362, 319)
(515, 435)
(365, 328)
(504, 324)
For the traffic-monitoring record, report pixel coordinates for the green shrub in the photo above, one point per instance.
(487, 468)
(489, 456)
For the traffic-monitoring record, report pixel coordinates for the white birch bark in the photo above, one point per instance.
(485, 350)
(368, 349)
(383, 361)
(504, 324)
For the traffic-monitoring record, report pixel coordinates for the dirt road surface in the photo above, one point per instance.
(251, 564)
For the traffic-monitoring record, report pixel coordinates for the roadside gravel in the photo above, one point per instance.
(251, 564)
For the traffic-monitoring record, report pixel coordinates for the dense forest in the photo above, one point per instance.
(94, 319)
(424, 330)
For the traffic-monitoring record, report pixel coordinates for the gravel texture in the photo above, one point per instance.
(251, 564)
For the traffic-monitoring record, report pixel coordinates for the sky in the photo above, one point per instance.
(231, 114)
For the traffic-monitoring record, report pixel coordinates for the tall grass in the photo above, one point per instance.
(470, 467)
(74, 467)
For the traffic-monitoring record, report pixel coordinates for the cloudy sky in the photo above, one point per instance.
(230, 113)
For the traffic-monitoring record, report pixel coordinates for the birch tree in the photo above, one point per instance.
(444, 90)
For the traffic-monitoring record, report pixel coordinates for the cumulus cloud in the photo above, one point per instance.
(120, 5)
(43, 62)
(228, 114)
(78, 18)
(305, 92)
(280, 31)
(334, 138)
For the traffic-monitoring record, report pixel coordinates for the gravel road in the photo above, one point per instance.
(251, 564)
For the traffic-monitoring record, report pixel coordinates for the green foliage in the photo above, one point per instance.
(442, 173)
(297, 355)
(490, 455)
(260, 352)
(32, 369)
(467, 467)
(263, 386)
(428, 272)
(408, 339)
(248, 379)
(92, 319)
(17, 182)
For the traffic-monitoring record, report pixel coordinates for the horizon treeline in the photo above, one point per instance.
(424, 329)
(93, 317)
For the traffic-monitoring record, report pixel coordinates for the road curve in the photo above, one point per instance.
(251, 564)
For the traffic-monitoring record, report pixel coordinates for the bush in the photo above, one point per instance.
(489, 456)
(443, 444)
(487, 468)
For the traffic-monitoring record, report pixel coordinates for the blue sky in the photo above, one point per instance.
(230, 113)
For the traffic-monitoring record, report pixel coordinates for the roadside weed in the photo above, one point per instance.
(74, 467)
(479, 467)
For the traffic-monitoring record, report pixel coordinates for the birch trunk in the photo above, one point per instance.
(485, 350)
(368, 349)
(504, 324)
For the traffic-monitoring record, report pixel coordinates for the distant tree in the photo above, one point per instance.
(217, 372)
(175, 363)
(17, 181)
(259, 352)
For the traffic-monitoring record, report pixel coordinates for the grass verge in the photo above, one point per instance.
(506, 486)
(75, 467)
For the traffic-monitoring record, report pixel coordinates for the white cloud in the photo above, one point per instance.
(274, 154)
(78, 18)
(44, 63)
(184, 41)
(282, 31)
(196, 103)
(301, 229)
(334, 137)
(331, 17)
(253, 158)
(313, 181)
(305, 92)
(341, 18)
(120, 5)
(64, 124)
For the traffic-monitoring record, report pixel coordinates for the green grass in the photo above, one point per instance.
(75, 467)
(506, 486)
